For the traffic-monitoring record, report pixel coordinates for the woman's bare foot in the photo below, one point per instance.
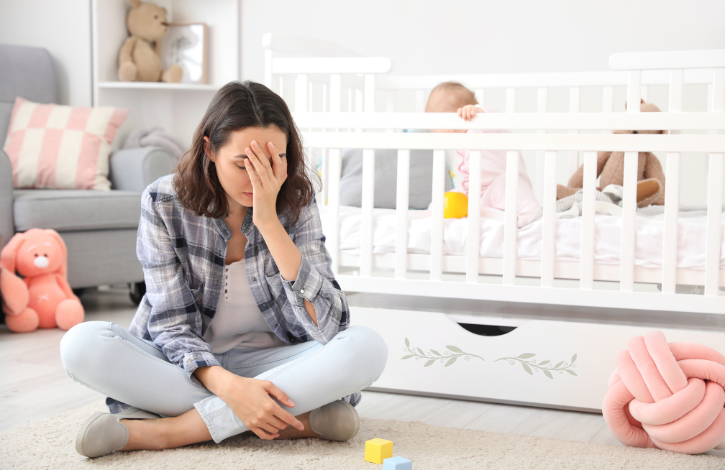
(166, 433)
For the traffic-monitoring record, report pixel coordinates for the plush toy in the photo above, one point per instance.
(610, 165)
(140, 59)
(42, 298)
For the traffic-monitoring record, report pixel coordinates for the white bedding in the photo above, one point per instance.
(607, 246)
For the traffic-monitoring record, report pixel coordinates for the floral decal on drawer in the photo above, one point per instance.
(453, 353)
(546, 366)
(449, 355)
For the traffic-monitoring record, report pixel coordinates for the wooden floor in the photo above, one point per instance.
(34, 386)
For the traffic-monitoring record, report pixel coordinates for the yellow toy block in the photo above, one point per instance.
(377, 450)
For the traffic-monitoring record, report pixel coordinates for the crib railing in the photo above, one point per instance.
(509, 267)
(339, 73)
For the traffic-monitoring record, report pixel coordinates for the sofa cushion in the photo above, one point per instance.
(66, 210)
(61, 147)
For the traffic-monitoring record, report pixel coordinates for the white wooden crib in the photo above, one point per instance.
(563, 363)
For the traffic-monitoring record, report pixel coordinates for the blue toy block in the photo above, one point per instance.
(397, 463)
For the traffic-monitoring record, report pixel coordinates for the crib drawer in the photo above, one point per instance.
(552, 364)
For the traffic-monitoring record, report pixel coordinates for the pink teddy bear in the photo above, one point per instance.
(42, 298)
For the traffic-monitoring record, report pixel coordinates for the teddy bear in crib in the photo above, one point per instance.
(610, 165)
(140, 58)
(42, 298)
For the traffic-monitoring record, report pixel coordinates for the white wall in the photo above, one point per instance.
(484, 36)
(62, 27)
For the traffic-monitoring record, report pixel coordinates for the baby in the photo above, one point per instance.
(452, 97)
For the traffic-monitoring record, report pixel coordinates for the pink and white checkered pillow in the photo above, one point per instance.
(61, 147)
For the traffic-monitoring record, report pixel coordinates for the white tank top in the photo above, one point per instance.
(238, 322)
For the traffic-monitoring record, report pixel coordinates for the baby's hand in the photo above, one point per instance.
(468, 112)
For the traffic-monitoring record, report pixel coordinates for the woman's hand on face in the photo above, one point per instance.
(251, 400)
(266, 181)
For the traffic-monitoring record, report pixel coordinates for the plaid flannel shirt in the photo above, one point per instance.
(183, 255)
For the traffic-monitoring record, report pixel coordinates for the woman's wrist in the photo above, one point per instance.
(214, 378)
(268, 227)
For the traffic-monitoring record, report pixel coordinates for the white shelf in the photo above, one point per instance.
(175, 107)
(157, 86)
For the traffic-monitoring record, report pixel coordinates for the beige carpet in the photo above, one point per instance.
(48, 444)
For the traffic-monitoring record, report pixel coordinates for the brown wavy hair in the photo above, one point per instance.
(234, 107)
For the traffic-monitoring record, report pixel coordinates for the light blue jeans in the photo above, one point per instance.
(107, 358)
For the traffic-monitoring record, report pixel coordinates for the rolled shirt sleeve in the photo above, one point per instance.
(315, 281)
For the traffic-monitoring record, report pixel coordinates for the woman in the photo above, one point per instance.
(243, 326)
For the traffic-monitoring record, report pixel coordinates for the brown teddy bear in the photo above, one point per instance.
(140, 59)
(610, 165)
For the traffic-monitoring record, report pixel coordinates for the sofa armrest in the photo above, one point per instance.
(7, 226)
(134, 169)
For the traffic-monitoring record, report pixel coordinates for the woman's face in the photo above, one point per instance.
(231, 157)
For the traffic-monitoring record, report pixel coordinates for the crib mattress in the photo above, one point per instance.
(649, 242)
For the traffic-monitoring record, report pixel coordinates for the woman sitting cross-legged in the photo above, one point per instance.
(243, 326)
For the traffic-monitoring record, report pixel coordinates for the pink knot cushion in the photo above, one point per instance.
(669, 396)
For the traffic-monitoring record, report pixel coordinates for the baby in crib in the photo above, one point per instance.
(452, 97)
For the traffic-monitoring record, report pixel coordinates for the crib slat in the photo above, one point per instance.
(325, 98)
(549, 221)
(390, 101)
(718, 90)
(510, 100)
(586, 275)
(310, 96)
(574, 106)
(366, 229)
(672, 195)
(607, 99)
(474, 215)
(629, 200)
(332, 231)
(542, 99)
(436, 235)
(542, 96)
(672, 209)
(629, 208)
(358, 100)
(510, 233)
(401, 212)
(301, 93)
(419, 101)
(634, 84)
(714, 207)
(369, 93)
(325, 170)
(335, 93)
(676, 79)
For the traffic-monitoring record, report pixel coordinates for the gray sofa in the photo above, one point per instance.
(98, 227)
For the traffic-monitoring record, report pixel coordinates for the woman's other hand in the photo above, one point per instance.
(251, 400)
